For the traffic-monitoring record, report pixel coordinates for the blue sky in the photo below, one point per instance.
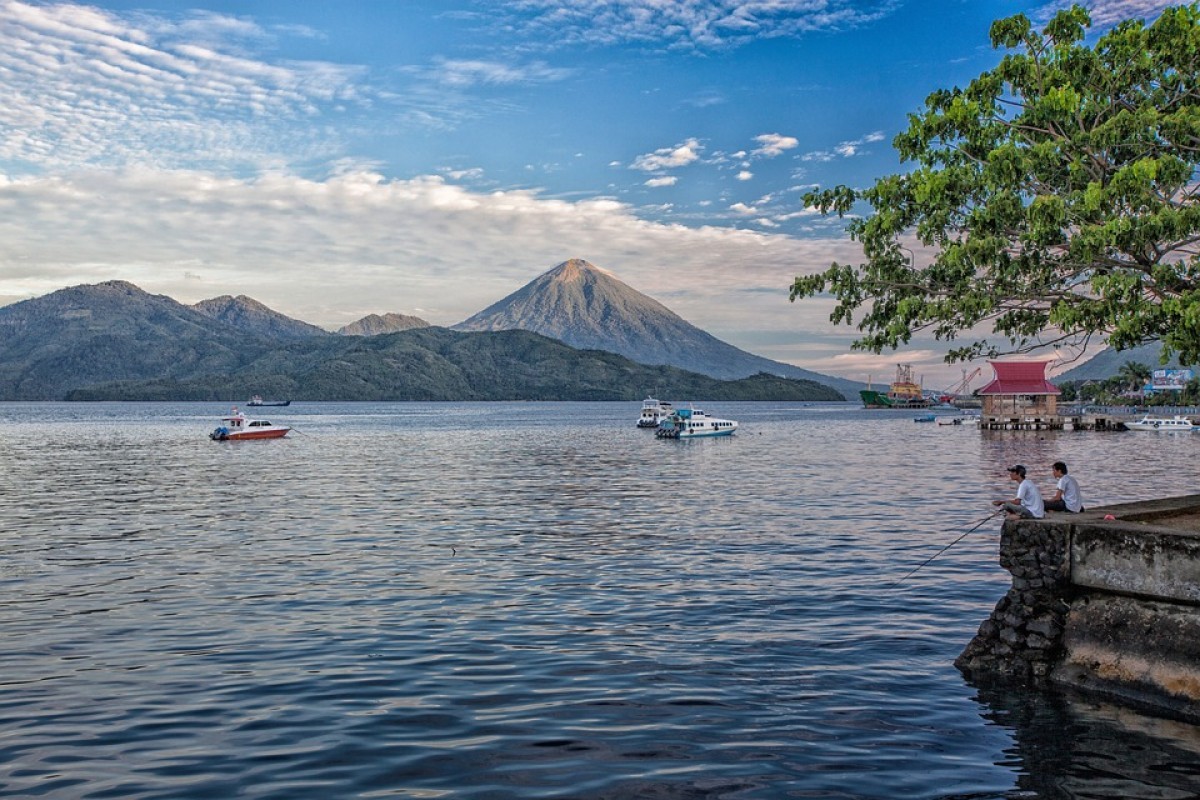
(430, 156)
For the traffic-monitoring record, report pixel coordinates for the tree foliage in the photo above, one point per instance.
(1057, 192)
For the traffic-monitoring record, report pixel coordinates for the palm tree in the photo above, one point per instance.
(1134, 375)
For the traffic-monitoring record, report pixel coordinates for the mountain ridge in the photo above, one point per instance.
(116, 341)
(247, 314)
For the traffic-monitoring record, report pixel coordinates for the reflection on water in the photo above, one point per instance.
(1067, 746)
(530, 600)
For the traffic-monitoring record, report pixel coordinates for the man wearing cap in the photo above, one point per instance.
(1028, 502)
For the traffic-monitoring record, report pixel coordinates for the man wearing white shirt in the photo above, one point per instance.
(1028, 502)
(1067, 497)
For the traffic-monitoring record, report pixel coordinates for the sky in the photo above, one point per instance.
(429, 157)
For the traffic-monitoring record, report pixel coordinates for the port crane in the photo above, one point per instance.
(959, 389)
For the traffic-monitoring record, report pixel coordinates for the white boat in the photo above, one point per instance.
(238, 426)
(654, 412)
(960, 419)
(1149, 423)
(692, 423)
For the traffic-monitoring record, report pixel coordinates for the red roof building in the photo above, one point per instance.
(1020, 393)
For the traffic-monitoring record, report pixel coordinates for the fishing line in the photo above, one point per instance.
(969, 531)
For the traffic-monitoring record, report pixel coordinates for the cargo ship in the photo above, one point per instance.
(903, 393)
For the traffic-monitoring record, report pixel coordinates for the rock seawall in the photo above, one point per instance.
(1110, 607)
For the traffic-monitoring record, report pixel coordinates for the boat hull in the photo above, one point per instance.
(872, 398)
(704, 434)
(1178, 424)
(274, 433)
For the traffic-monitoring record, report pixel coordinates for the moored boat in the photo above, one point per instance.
(1149, 423)
(692, 423)
(238, 426)
(257, 400)
(654, 412)
(903, 393)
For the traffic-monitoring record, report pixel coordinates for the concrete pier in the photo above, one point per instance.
(1110, 607)
(1053, 422)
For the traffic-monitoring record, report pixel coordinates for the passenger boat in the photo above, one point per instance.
(654, 412)
(238, 426)
(256, 400)
(903, 393)
(692, 423)
(924, 418)
(1149, 423)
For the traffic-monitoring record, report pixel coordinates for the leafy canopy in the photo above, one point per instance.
(1058, 192)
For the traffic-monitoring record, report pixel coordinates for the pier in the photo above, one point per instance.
(1093, 421)
(1075, 418)
(1105, 602)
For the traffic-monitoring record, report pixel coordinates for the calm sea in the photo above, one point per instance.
(525, 600)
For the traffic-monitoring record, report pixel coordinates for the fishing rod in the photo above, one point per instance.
(969, 531)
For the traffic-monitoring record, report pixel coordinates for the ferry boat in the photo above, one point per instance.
(903, 393)
(692, 423)
(654, 412)
(238, 426)
(1149, 423)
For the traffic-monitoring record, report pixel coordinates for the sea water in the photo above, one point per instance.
(502, 600)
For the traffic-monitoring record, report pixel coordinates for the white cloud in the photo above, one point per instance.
(686, 23)
(332, 251)
(1110, 12)
(680, 155)
(82, 85)
(743, 209)
(667, 180)
(774, 144)
(465, 73)
(844, 149)
(745, 175)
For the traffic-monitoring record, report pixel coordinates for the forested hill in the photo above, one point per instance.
(439, 364)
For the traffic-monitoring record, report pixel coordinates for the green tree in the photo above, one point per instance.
(1057, 193)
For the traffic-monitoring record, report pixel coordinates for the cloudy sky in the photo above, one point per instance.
(429, 157)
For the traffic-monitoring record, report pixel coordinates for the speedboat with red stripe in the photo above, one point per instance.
(238, 426)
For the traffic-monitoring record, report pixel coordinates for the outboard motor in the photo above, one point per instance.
(220, 434)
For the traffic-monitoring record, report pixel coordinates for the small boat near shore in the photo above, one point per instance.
(654, 412)
(692, 423)
(257, 400)
(238, 426)
(1149, 423)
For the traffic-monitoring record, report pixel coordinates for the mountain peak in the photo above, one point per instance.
(591, 308)
(575, 269)
(107, 289)
(374, 325)
(247, 314)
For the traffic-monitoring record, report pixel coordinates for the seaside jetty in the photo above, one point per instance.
(1106, 602)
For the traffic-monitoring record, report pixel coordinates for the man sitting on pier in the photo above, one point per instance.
(1028, 502)
(1067, 497)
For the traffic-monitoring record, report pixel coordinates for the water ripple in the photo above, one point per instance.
(530, 600)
